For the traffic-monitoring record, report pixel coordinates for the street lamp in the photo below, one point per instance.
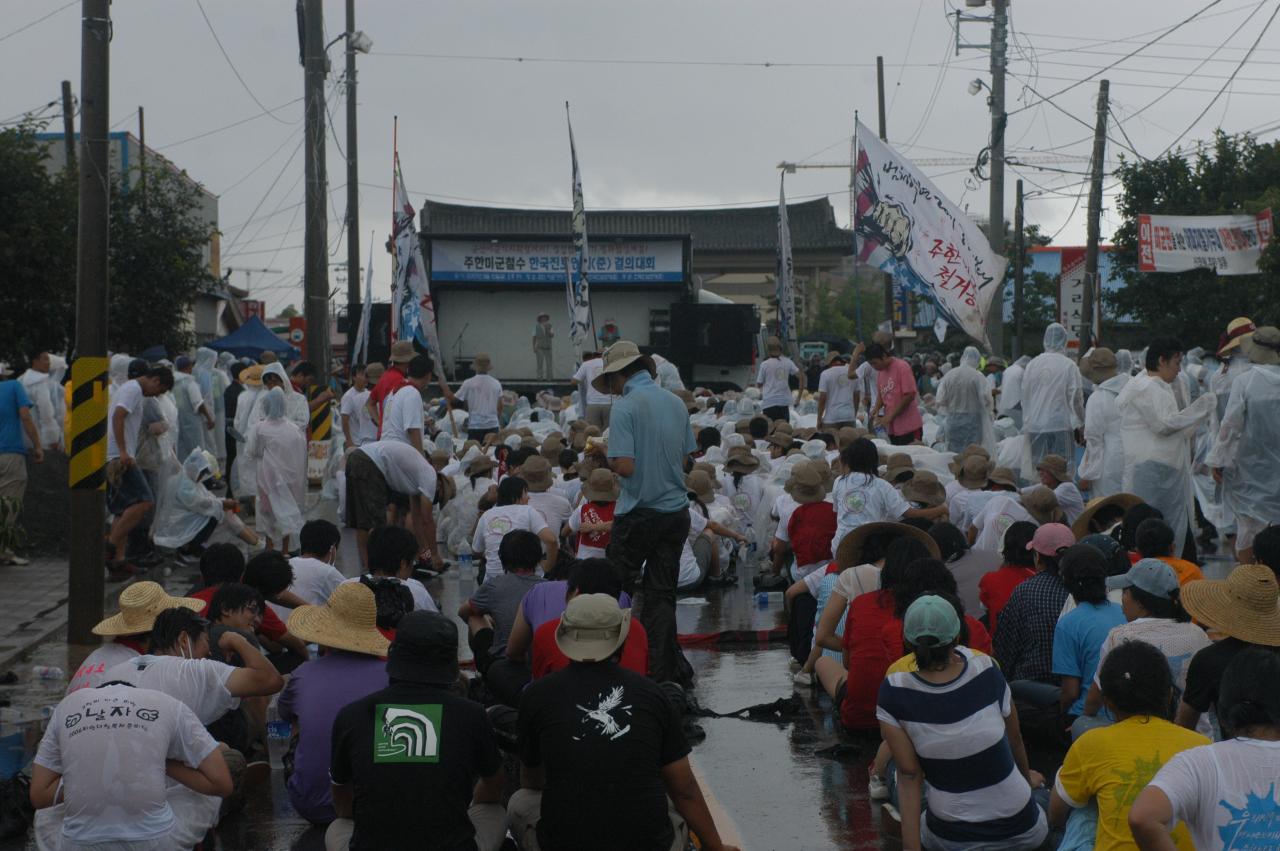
(358, 41)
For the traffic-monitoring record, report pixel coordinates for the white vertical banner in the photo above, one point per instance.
(578, 291)
(416, 312)
(785, 274)
(360, 351)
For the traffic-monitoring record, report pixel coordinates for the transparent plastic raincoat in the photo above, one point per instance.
(1248, 445)
(1052, 403)
(965, 398)
(279, 450)
(188, 505)
(1103, 461)
(206, 375)
(296, 409)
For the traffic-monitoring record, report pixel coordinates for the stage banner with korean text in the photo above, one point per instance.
(1228, 245)
(610, 261)
(905, 226)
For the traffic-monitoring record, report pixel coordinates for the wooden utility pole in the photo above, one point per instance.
(888, 279)
(69, 124)
(1094, 224)
(1020, 262)
(87, 442)
(142, 157)
(353, 194)
(995, 229)
(316, 251)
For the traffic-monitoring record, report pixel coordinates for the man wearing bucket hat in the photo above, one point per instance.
(774, 380)
(1241, 608)
(602, 750)
(393, 379)
(649, 440)
(482, 394)
(129, 631)
(1102, 468)
(1246, 457)
(351, 667)
(414, 760)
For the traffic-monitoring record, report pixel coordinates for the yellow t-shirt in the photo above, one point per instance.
(907, 664)
(1114, 764)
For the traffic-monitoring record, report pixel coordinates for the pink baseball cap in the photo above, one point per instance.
(1050, 538)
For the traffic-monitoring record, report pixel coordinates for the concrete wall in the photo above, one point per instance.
(501, 323)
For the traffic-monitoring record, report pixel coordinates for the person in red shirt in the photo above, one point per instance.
(547, 656)
(812, 526)
(593, 519)
(995, 588)
(393, 379)
(927, 576)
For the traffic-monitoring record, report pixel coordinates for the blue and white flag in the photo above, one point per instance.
(785, 274)
(415, 311)
(578, 291)
(905, 226)
(360, 351)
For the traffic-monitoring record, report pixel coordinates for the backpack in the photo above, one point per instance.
(393, 598)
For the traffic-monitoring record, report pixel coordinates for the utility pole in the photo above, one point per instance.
(87, 442)
(316, 275)
(353, 193)
(69, 124)
(888, 279)
(142, 157)
(1095, 215)
(995, 231)
(1020, 262)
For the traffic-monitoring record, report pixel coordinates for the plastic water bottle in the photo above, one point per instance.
(278, 733)
(466, 570)
(48, 672)
(762, 600)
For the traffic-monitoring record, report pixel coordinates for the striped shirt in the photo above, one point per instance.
(974, 790)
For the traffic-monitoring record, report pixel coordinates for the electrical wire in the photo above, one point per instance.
(902, 68)
(232, 65)
(233, 124)
(39, 20)
(254, 170)
(937, 87)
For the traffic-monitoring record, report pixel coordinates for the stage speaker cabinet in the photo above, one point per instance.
(463, 368)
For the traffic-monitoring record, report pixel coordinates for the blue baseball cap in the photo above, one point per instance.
(1150, 575)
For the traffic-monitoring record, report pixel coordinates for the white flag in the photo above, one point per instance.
(360, 351)
(785, 274)
(578, 291)
(907, 227)
(415, 310)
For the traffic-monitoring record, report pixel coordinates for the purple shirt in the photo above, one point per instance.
(545, 601)
(311, 701)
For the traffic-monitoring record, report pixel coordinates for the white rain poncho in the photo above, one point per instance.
(206, 375)
(189, 399)
(44, 393)
(296, 409)
(669, 377)
(1124, 362)
(1052, 403)
(279, 450)
(1010, 397)
(1157, 447)
(242, 471)
(1220, 383)
(965, 399)
(1103, 462)
(118, 371)
(746, 495)
(188, 505)
(1248, 445)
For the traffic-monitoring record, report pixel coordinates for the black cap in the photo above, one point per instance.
(425, 650)
(138, 368)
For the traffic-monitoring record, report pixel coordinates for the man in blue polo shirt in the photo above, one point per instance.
(15, 421)
(649, 441)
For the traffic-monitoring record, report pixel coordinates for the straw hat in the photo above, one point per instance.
(551, 447)
(1002, 476)
(536, 472)
(251, 376)
(1042, 504)
(1237, 330)
(481, 465)
(1263, 345)
(1099, 365)
(482, 362)
(1243, 605)
(975, 472)
(968, 452)
(402, 351)
(773, 346)
(702, 486)
(1056, 466)
(849, 553)
(347, 621)
(616, 358)
(806, 485)
(373, 372)
(780, 440)
(899, 468)
(925, 489)
(1080, 528)
(600, 486)
(139, 605)
(741, 460)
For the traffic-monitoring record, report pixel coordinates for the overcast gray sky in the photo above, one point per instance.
(681, 112)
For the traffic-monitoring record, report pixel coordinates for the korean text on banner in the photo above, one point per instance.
(1229, 245)
(905, 226)
(416, 311)
(578, 290)
(786, 291)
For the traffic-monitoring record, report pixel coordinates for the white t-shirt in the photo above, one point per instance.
(199, 683)
(313, 581)
(586, 374)
(422, 600)
(772, 377)
(838, 387)
(855, 581)
(553, 507)
(497, 522)
(128, 396)
(859, 499)
(110, 745)
(570, 489)
(1226, 791)
(481, 393)
(865, 376)
(404, 468)
(783, 507)
(402, 413)
(965, 506)
(355, 406)
(994, 520)
(1177, 641)
(93, 671)
(688, 561)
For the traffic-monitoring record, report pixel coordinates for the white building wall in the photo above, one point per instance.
(501, 324)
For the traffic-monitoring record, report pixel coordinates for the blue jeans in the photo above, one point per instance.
(1085, 723)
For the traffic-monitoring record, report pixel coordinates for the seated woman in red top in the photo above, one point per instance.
(927, 576)
(995, 588)
(547, 656)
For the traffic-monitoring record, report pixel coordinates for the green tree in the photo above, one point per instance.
(1236, 175)
(289, 311)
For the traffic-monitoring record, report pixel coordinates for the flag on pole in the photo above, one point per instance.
(905, 226)
(414, 308)
(786, 291)
(578, 290)
(360, 351)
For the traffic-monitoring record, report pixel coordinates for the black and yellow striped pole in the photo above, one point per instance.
(88, 440)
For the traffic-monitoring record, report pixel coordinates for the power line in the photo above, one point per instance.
(254, 170)
(39, 20)
(231, 64)
(225, 127)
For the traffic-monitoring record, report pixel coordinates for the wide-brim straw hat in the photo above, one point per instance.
(618, 357)
(1262, 346)
(347, 621)
(1099, 365)
(925, 489)
(1056, 466)
(741, 460)
(1244, 605)
(974, 472)
(1238, 330)
(702, 486)
(601, 486)
(1080, 528)
(536, 472)
(899, 468)
(251, 376)
(849, 553)
(1042, 504)
(806, 484)
(402, 351)
(140, 603)
(972, 449)
(780, 440)
(1002, 476)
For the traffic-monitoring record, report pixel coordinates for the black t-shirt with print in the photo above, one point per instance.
(413, 753)
(603, 735)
